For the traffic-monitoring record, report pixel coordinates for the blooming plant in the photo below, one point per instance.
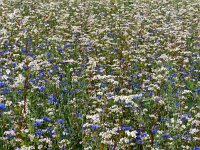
(99, 75)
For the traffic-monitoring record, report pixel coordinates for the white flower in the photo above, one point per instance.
(183, 126)
(164, 57)
(186, 92)
(124, 140)
(131, 134)
(31, 136)
(40, 146)
(95, 118)
(8, 103)
(19, 81)
(197, 115)
(193, 131)
(1, 2)
(4, 77)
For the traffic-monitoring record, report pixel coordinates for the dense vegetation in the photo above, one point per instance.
(99, 74)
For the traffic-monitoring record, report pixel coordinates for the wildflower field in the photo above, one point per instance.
(99, 74)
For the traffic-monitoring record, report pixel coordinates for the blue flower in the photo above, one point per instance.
(139, 142)
(23, 49)
(197, 148)
(2, 83)
(25, 67)
(197, 90)
(122, 60)
(117, 89)
(67, 44)
(19, 91)
(165, 136)
(55, 67)
(90, 43)
(46, 119)
(39, 132)
(79, 115)
(2, 107)
(83, 65)
(151, 93)
(9, 136)
(42, 74)
(4, 91)
(144, 134)
(14, 64)
(37, 123)
(60, 121)
(95, 126)
(126, 128)
(99, 96)
(184, 119)
(41, 88)
(178, 104)
(60, 49)
(154, 131)
(52, 99)
(165, 88)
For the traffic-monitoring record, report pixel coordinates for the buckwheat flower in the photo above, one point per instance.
(5, 77)
(131, 133)
(46, 140)
(95, 118)
(164, 57)
(19, 80)
(65, 133)
(1, 2)
(51, 113)
(31, 136)
(196, 122)
(27, 147)
(153, 116)
(40, 146)
(10, 133)
(124, 140)
(194, 131)
(197, 115)
(8, 71)
(186, 92)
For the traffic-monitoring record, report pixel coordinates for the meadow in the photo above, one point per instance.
(99, 75)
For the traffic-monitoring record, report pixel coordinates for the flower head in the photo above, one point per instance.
(2, 107)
